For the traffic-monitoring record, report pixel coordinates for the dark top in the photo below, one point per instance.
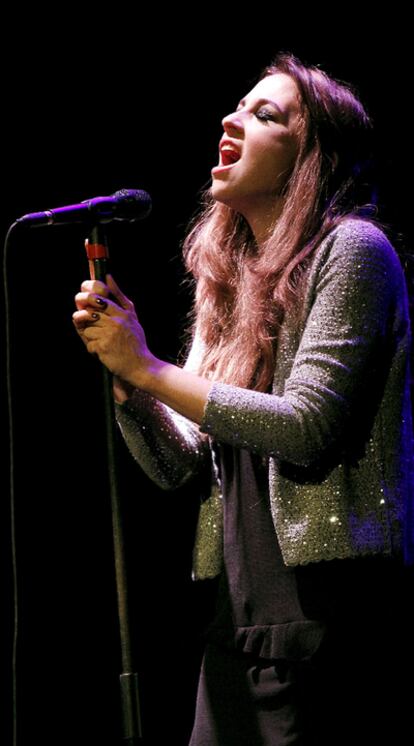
(263, 606)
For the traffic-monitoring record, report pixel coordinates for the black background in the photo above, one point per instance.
(90, 107)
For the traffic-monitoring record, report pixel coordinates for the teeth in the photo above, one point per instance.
(229, 154)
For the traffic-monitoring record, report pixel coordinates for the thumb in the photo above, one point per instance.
(117, 293)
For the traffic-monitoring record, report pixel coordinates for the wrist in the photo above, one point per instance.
(148, 378)
(183, 391)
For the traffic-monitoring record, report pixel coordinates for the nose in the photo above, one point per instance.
(232, 121)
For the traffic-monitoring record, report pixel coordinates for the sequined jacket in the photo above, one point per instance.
(337, 426)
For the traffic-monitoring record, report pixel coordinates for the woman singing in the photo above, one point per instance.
(294, 401)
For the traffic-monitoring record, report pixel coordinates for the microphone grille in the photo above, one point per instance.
(132, 204)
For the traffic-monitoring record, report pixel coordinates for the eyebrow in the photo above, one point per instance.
(264, 101)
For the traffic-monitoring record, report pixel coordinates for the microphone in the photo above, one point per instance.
(126, 204)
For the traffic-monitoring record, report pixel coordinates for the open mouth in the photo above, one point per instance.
(229, 156)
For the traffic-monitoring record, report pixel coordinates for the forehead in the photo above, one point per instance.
(278, 87)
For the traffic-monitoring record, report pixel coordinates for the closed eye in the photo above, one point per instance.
(261, 109)
(264, 114)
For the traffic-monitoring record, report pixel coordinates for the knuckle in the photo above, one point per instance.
(100, 288)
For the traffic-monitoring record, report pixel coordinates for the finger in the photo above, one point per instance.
(117, 293)
(93, 347)
(84, 318)
(95, 286)
(84, 300)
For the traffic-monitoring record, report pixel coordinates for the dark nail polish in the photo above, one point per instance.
(101, 302)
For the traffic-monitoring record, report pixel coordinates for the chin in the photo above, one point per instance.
(221, 193)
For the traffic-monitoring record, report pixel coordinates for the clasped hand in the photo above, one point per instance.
(111, 330)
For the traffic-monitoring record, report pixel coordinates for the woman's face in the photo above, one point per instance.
(258, 148)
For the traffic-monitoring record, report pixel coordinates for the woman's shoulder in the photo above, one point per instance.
(360, 229)
(356, 239)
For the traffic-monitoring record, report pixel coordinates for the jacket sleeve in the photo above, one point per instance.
(169, 448)
(357, 285)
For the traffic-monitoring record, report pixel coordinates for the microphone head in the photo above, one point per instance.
(131, 204)
(126, 204)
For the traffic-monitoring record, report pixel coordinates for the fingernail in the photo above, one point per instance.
(101, 302)
(95, 315)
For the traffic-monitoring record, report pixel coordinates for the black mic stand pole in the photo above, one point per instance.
(97, 252)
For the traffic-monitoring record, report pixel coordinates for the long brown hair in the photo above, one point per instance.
(242, 293)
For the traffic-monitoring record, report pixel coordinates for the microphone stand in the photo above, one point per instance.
(98, 255)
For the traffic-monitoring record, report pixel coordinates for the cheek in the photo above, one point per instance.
(283, 159)
(285, 150)
(271, 160)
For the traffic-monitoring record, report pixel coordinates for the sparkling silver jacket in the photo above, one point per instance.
(336, 427)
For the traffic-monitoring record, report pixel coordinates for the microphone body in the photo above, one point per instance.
(126, 204)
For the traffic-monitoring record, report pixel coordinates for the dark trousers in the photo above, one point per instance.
(245, 702)
(348, 694)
